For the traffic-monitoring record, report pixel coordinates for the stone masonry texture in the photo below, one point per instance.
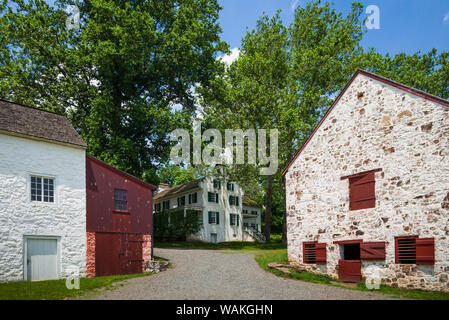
(375, 125)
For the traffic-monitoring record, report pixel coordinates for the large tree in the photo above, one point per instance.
(123, 78)
(283, 79)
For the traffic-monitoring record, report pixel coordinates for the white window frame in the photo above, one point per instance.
(43, 176)
(214, 217)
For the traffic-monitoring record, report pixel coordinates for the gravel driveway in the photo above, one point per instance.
(208, 274)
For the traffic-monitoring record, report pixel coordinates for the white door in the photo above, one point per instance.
(213, 237)
(42, 259)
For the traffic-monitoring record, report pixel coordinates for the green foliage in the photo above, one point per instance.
(118, 77)
(175, 175)
(175, 225)
(230, 245)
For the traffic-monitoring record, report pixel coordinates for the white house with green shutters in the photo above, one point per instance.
(225, 212)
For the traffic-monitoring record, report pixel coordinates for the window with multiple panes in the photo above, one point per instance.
(157, 207)
(314, 253)
(120, 200)
(233, 200)
(193, 198)
(254, 213)
(181, 201)
(230, 186)
(362, 190)
(234, 220)
(166, 205)
(214, 217)
(245, 211)
(217, 184)
(42, 189)
(212, 197)
(414, 250)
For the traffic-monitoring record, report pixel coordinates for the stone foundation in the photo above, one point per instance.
(90, 255)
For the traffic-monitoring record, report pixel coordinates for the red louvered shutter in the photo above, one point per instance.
(308, 252)
(362, 192)
(320, 252)
(372, 251)
(425, 251)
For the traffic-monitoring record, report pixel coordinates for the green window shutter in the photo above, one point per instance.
(230, 200)
(216, 197)
(232, 187)
(230, 220)
(210, 217)
(238, 221)
(218, 217)
(190, 198)
(209, 196)
(237, 201)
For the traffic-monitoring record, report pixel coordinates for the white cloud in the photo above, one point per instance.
(231, 57)
(294, 4)
(446, 18)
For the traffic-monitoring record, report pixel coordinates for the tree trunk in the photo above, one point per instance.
(268, 193)
(284, 222)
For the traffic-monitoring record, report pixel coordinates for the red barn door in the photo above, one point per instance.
(118, 253)
(350, 270)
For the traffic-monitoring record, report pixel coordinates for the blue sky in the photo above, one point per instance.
(405, 25)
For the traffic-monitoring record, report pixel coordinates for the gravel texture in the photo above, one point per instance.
(208, 274)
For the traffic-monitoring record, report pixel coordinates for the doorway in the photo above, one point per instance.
(213, 237)
(350, 267)
(41, 259)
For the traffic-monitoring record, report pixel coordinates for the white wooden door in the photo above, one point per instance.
(42, 259)
(213, 237)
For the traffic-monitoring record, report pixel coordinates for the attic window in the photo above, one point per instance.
(362, 190)
(120, 200)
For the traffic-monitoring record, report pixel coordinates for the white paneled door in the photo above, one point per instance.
(42, 259)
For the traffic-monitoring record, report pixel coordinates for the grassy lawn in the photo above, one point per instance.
(232, 245)
(280, 256)
(56, 289)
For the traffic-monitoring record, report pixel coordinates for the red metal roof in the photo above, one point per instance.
(395, 84)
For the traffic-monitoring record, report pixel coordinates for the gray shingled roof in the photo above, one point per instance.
(178, 189)
(37, 123)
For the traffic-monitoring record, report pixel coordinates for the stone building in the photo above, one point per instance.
(42, 195)
(368, 192)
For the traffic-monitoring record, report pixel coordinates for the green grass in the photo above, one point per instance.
(232, 245)
(280, 256)
(56, 289)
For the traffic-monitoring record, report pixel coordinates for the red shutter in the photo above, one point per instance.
(350, 270)
(308, 252)
(362, 192)
(372, 251)
(425, 251)
(320, 251)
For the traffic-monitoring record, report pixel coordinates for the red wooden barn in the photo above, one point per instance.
(119, 220)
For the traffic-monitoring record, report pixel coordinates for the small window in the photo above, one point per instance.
(314, 253)
(157, 207)
(362, 190)
(193, 198)
(214, 217)
(233, 200)
(120, 200)
(230, 186)
(166, 205)
(42, 189)
(234, 220)
(212, 197)
(414, 250)
(254, 213)
(217, 184)
(245, 211)
(181, 201)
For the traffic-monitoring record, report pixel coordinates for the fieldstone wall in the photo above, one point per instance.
(90, 254)
(20, 217)
(373, 126)
(146, 250)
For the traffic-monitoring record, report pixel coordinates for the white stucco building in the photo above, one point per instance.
(226, 213)
(368, 193)
(42, 195)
